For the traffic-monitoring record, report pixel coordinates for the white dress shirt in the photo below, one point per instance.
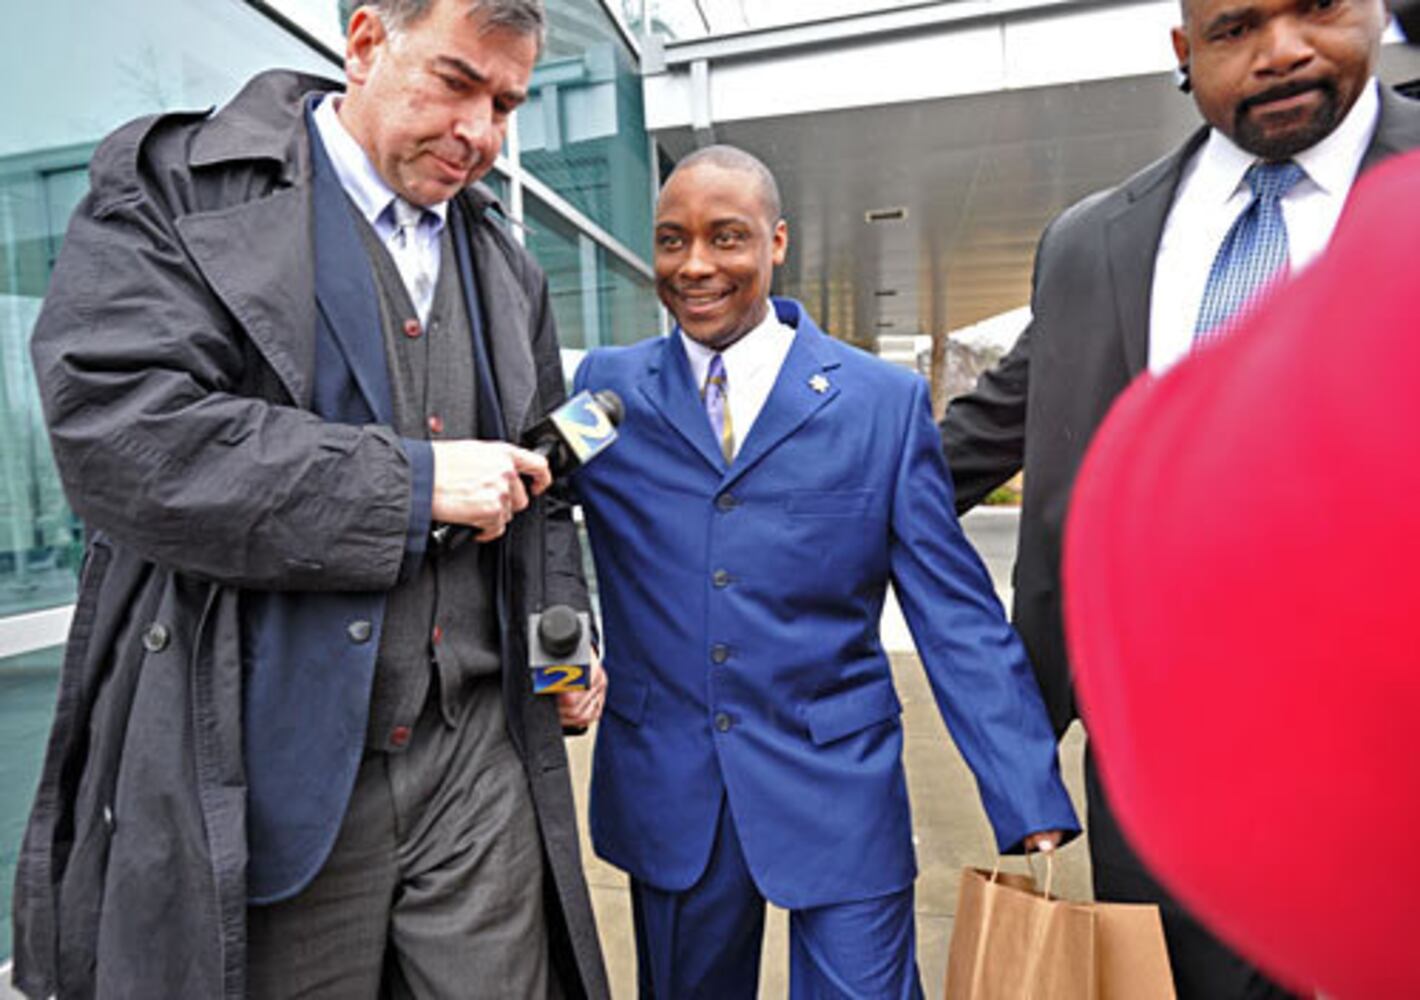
(1213, 192)
(375, 201)
(752, 364)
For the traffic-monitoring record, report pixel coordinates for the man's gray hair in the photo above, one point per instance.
(524, 17)
(734, 158)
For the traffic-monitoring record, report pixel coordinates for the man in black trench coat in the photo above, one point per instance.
(283, 354)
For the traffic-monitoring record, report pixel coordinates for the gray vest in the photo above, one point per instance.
(440, 624)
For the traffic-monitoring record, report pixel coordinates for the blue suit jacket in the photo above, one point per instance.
(741, 611)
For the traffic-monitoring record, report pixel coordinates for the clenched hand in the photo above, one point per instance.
(480, 483)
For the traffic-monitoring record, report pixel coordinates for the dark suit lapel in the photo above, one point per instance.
(1397, 130)
(670, 387)
(1132, 235)
(345, 288)
(806, 383)
(505, 320)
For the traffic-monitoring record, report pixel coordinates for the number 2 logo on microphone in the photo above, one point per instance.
(585, 426)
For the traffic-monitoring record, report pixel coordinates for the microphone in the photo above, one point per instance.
(559, 638)
(568, 437)
(577, 431)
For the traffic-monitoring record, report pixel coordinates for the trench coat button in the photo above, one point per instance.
(359, 631)
(108, 818)
(722, 722)
(726, 502)
(412, 329)
(155, 638)
(436, 424)
(399, 736)
(719, 652)
(721, 579)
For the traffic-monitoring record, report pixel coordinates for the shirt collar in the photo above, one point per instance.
(745, 357)
(358, 176)
(1330, 164)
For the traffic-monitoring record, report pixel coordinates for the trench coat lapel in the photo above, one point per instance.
(1132, 235)
(506, 320)
(258, 259)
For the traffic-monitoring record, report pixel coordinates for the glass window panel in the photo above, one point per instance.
(596, 297)
(499, 185)
(28, 686)
(582, 131)
(630, 309)
(116, 61)
(556, 244)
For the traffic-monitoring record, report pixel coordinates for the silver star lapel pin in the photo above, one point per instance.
(818, 384)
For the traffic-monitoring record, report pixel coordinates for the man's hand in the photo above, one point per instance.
(480, 483)
(579, 709)
(1046, 840)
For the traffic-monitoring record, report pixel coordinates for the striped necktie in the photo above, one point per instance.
(716, 397)
(1253, 252)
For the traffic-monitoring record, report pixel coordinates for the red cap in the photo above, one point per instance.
(1242, 598)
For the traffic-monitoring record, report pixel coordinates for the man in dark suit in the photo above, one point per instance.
(282, 359)
(1130, 278)
(1306, 671)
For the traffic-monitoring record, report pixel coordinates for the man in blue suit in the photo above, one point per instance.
(768, 483)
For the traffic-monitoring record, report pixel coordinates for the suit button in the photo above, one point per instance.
(359, 631)
(438, 635)
(726, 502)
(399, 737)
(722, 722)
(155, 638)
(412, 328)
(436, 424)
(721, 579)
(719, 652)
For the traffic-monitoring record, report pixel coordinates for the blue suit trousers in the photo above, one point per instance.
(705, 943)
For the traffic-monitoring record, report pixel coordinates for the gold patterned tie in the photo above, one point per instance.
(715, 396)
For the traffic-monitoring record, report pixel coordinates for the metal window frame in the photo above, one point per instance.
(31, 631)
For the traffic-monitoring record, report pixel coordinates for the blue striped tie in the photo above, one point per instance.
(1252, 253)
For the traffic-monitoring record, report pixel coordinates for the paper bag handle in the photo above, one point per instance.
(1049, 869)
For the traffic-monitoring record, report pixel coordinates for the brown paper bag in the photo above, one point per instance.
(1012, 942)
(1130, 957)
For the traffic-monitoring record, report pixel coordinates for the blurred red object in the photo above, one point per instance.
(1242, 597)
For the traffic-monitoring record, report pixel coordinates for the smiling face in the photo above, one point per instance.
(716, 249)
(1277, 76)
(430, 101)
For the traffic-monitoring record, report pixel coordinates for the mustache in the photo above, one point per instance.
(1284, 90)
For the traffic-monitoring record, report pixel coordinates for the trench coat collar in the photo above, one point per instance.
(265, 121)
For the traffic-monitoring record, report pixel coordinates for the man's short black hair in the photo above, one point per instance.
(734, 158)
